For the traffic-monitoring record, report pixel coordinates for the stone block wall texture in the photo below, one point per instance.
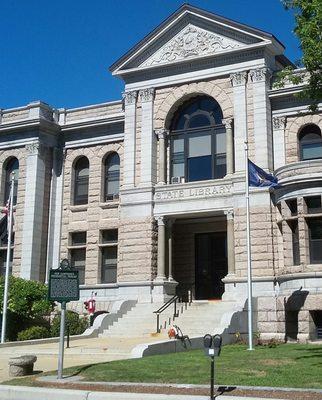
(96, 215)
(104, 110)
(137, 250)
(262, 241)
(292, 129)
(20, 153)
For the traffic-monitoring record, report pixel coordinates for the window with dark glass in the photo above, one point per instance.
(112, 176)
(310, 142)
(12, 166)
(81, 171)
(292, 205)
(3, 261)
(315, 238)
(295, 242)
(198, 141)
(313, 204)
(108, 248)
(77, 251)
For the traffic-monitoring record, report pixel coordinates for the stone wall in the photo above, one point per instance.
(293, 127)
(137, 250)
(96, 215)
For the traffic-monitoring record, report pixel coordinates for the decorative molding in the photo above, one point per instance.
(260, 74)
(279, 123)
(228, 122)
(160, 220)
(147, 94)
(238, 78)
(33, 148)
(191, 42)
(130, 97)
(161, 133)
(229, 214)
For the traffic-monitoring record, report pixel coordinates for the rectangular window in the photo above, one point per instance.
(177, 152)
(3, 261)
(77, 252)
(199, 158)
(295, 242)
(108, 248)
(313, 204)
(292, 205)
(315, 237)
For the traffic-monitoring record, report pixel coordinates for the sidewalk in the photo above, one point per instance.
(81, 352)
(27, 393)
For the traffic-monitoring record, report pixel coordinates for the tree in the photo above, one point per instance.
(308, 28)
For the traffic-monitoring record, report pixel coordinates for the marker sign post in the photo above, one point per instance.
(63, 287)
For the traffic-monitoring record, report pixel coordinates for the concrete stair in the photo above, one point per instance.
(197, 319)
(139, 321)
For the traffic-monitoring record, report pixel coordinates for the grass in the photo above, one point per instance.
(288, 365)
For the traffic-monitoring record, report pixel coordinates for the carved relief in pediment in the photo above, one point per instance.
(191, 42)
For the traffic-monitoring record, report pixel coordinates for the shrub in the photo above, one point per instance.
(76, 324)
(34, 332)
(27, 305)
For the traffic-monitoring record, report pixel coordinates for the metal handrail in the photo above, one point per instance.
(164, 307)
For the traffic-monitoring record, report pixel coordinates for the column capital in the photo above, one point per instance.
(161, 133)
(229, 214)
(160, 220)
(279, 123)
(260, 74)
(130, 97)
(228, 122)
(147, 94)
(238, 78)
(33, 148)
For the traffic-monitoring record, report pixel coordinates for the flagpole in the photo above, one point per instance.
(6, 282)
(249, 256)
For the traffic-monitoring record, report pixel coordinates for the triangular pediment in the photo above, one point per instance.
(192, 42)
(188, 34)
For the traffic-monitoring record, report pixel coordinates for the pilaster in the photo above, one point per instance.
(230, 242)
(33, 212)
(228, 122)
(279, 141)
(262, 118)
(162, 137)
(238, 81)
(161, 249)
(130, 99)
(148, 139)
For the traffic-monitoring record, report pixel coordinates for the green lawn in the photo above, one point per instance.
(289, 365)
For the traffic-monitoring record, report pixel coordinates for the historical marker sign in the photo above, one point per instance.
(63, 285)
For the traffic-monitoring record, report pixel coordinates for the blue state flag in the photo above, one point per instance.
(259, 178)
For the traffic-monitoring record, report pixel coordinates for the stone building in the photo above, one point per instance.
(146, 195)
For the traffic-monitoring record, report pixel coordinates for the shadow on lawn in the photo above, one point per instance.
(79, 370)
(224, 389)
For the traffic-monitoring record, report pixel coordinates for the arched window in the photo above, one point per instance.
(12, 166)
(112, 176)
(310, 142)
(81, 171)
(198, 141)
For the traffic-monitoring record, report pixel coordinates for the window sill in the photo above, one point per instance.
(81, 207)
(109, 204)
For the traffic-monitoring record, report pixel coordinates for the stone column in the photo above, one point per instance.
(129, 139)
(170, 236)
(279, 141)
(55, 211)
(33, 213)
(228, 122)
(148, 139)
(161, 249)
(162, 136)
(230, 242)
(238, 81)
(262, 118)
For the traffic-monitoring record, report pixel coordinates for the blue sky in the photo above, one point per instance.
(59, 51)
